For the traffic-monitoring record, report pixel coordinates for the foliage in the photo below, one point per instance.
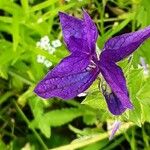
(27, 122)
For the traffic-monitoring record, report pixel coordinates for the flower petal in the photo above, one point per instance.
(79, 35)
(114, 104)
(119, 100)
(120, 47)
(115, 128)
(69, 78)
(91, 30)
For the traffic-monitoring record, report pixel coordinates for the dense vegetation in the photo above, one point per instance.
(29, 123)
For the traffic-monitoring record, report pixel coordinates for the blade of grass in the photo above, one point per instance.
(43, 5)
(15, 33)
(28, 122)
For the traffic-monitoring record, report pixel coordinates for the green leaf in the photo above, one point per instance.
(44, 121)
(45, 129)
(144, 93)
(2, 145)
(3, 72)
(89, 119)
(135, 80)
(95, 100)
(145, 113)
(61, 117)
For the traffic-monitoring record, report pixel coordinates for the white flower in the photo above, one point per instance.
(47, 63)
(45, 39)
(56, 43)
(44, 43)
(40, 59)
(51, 50)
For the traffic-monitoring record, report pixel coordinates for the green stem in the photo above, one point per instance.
(90, 140)
(83, 143)
(20, 77)
(102, 18)
(134, 9)
(110, 20)
(28, 123)
(6, 96)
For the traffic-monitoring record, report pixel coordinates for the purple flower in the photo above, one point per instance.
(75, 73)
(115, 128)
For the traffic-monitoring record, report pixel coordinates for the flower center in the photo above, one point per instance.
(91, 66)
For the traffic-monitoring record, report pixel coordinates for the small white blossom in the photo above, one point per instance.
(45, 39)
(51, 50)
(44, 43)
(40, 59)
(47, 63)
(56, 43)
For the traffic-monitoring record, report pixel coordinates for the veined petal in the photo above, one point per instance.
(79, 35)
(91, 30)
(69, 78)
(120, 47)
(118, 100)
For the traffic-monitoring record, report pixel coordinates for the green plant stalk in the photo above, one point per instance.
(4, 97)
(20, 78)
(134, 9)
(92, 139)
(83, 143)
(28, 123)
(101, 8)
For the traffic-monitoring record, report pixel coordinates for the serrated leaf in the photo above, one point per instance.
(144, 93)
(95, 98)
(135, 80)
(36, 105)
(145, 112)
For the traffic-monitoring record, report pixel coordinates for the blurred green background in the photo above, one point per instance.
(29, 123)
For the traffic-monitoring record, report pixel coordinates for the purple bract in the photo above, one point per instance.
(75, 73)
